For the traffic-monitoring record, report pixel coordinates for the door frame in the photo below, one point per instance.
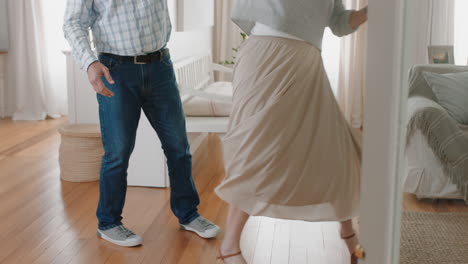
(384, 130)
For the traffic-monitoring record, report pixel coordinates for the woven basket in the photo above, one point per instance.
(80, 152)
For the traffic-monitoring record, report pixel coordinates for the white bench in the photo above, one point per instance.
(194, 76)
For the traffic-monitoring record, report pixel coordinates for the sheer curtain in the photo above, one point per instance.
(35, 85)
(433, 25)
(226, 35)
(352, 74)
(441, 22)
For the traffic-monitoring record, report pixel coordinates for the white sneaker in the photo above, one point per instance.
(202, 227)
(121, 236)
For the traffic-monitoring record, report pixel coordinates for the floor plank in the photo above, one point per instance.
(46, 220)
(412, 204)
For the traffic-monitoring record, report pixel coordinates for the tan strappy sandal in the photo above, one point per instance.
(222, 258)
(358, 252)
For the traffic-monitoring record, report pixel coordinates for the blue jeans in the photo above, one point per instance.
(153, 88)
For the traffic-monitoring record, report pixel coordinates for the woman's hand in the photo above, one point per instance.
(358, 18)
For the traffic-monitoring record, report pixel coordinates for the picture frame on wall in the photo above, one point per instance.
(441, 55)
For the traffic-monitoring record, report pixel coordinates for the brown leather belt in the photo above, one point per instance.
(141, 59)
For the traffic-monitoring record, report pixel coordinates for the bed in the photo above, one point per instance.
(424, 172)
(425, 175)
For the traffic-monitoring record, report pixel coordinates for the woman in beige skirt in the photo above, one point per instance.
(289, 152)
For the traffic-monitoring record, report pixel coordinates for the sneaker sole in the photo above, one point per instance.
(186, 228)
(117, 242)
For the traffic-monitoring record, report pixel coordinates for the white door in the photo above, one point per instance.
(385, 101)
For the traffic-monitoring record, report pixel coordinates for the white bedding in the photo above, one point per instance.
(424, 175)
(214, 101)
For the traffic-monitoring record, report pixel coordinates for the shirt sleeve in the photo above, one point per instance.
(339, 20)
(79, 17)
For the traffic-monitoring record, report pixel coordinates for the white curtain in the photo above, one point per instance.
(461, 32)
(441, 22)
(352, 75)
(34, 85)
(433, 24)
(226, 35)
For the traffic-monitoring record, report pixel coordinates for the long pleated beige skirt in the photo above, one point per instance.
(289, 152)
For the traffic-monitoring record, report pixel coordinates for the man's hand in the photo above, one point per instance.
(358, 18)
(95, 71)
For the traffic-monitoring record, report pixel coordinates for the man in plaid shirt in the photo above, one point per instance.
(133, 71)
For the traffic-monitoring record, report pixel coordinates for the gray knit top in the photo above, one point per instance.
(305, 19)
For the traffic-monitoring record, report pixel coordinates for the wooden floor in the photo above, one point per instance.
(412, 204)
(45, 220)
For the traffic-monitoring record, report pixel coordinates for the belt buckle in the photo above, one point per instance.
(135, 60)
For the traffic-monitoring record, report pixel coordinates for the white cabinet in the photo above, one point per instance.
(147, 165)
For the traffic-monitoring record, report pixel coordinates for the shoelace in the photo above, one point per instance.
(205, 223)
(125, 231)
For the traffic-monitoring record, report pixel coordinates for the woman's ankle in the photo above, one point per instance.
(228, 247)
(347, 229)
(347, 233)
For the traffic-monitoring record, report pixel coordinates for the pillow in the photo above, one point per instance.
(451, 90)
(214, 101)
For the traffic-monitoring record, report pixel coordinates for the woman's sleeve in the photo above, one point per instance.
(339, 20)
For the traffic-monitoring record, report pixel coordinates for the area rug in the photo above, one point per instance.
(434, 238)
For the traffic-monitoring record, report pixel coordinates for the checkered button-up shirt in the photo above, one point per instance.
(122, 27)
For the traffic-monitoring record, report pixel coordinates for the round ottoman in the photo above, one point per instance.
(80, 152)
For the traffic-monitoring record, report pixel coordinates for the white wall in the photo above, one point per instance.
(3, 109)
(415, 35)
(182, 44)
(3, 26)
(185, 44)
